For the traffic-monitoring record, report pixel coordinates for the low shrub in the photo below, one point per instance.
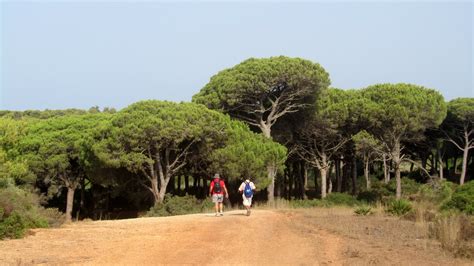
(174, 205)
(333, 199)
(369, 196)
(19, 211)
(462, 199)
(409, 187)
(53, 216)
(336, 198)
(363, 210)
(436, 191)
(399, 207)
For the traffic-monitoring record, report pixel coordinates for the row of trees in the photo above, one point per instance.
(288, 99)
(149, 142)
(273, 119)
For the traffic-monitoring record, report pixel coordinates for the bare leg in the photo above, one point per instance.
(221, 207)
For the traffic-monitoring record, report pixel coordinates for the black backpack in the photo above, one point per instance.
(217, 186)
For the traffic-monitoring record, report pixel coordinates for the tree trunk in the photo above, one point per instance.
(323, 172)
(366, 172)
(81, 210)
(271, 170)
(455, 164)
(267, 132)
(397, 161)
(354, 176)
(330, 180)
(69, 203)
(178, 186)
(186, 183)
(386, 172)
(464, 163)
(155, 190)
(440, 164)
(338, 175)
(305, 181)
(316, 172)
(441, 170)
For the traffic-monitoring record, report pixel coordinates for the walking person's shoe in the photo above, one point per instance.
(222, 214)
(248, 212)
(217, 214)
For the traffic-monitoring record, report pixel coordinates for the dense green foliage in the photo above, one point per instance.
(463, 199)
(259, 90)
(21, 210)
(401, 113)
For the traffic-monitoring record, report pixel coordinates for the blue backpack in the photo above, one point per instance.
(248, 192)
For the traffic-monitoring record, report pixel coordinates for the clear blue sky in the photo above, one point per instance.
(60, 55)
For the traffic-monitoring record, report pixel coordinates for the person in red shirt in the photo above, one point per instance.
(217, 191)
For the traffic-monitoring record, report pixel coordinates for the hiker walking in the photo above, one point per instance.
(217, 191)
(247, 189)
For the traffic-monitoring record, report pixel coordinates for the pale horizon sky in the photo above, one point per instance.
(73, 54)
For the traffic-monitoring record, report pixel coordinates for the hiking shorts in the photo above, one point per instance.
(217, 198)
(247, 201)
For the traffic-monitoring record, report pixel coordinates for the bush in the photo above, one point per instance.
(363, 210)
(436, 191)
(174, 205)
(409, 187)
(53, 216)
(369, 196)
(331, 200)
(341, 199)
(19, 211)
(462, 199)
(399, 207)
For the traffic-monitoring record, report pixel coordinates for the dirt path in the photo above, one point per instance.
(266, 237)
(307, 237)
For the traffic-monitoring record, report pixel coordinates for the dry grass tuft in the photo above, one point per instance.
(455, 232)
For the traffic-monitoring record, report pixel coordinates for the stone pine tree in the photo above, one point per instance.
(368, 149)
(459, 128)
(13, 167)
(321, 136)
(58, 150)
(263, 91)
(401, 113)
(246, 154)
(153, 139)
(157, 139)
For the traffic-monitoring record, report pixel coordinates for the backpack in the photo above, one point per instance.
(248, 192)
(217, 186)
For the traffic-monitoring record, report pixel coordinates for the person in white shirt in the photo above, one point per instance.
(247, 188)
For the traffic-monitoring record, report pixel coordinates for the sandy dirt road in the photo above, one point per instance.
(266, 237)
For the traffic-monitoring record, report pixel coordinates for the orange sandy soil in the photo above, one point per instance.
(292, 237)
